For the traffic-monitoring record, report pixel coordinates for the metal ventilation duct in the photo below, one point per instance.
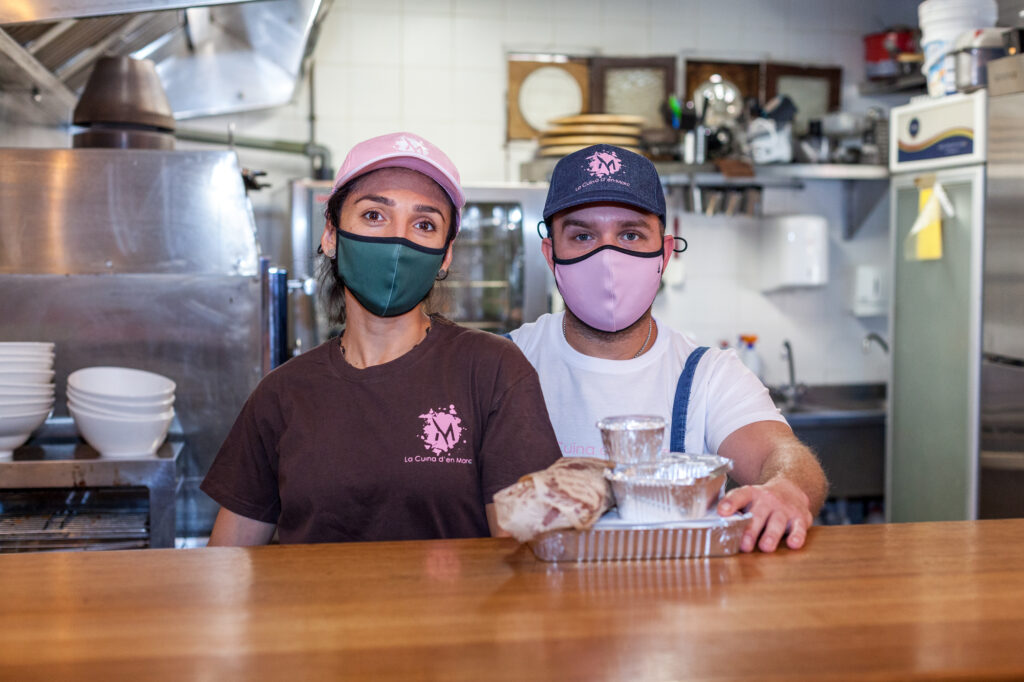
(214, 59)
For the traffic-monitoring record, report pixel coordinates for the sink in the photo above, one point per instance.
(836, 402)
(845, 426)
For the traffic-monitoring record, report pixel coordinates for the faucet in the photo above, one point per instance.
(790, 391)
(877, 339)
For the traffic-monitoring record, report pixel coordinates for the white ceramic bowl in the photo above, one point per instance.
(125, 407)
(121, 382)
(13, 407)
(146, 411)
(26, 347)
(26, 376)
(18, 362)
(15, 429)
(121, 437)
(28, 391)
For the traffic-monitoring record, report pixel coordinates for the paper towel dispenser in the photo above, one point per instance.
(793, 251)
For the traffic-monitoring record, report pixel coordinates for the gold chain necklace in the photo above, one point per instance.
(650, 329)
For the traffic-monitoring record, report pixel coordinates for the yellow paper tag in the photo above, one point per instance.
(928, 239)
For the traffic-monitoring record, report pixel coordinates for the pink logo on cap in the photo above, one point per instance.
(405, 143)
(603, 164)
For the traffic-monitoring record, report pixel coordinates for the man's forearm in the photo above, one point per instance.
(794, 461)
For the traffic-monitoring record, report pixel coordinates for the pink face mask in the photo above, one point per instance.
(610, 287)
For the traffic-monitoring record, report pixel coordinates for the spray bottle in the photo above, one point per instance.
(748, 354)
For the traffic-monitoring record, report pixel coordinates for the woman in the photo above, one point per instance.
(406, 425)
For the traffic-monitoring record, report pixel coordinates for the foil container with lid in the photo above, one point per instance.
(677, 488)
(632, 439)
(614, 539)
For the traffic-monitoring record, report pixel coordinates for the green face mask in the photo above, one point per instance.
(387, 275)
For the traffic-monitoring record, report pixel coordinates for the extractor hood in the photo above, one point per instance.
(213, 57)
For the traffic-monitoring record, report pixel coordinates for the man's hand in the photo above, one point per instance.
(778, 507)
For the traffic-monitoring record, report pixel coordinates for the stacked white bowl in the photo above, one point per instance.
(26, 391)
(121, 412)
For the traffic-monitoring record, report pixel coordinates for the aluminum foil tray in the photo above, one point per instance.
(677, 488)
(612, 539)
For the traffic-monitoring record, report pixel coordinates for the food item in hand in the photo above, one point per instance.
(571, 493)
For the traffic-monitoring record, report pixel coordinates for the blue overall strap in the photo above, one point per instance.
(677, 442)
(507, 336)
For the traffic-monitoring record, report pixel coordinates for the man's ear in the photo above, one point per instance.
(668, 246)
(545, 247)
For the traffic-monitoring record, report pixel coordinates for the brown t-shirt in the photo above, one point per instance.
(411, 449)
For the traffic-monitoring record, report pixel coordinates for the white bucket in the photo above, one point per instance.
(942, 22)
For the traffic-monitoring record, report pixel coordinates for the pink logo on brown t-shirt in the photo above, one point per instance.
(441, 430)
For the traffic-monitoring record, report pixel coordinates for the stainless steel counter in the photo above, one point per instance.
(56, 458)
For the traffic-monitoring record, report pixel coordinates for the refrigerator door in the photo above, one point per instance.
(1004, 237)
(932, 453)
(1002, 375)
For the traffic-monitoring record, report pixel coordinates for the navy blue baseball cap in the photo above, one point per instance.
(604, 172)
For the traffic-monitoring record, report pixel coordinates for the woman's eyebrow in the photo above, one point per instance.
(427, 208)
(376, 198)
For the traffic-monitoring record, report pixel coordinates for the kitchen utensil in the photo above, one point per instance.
(721, 102)
(26, 347)
(882, 49)
(563, 150)
(120, 406)
(18, 391)
(10, 364)
(121, 437)
(587, 140)
(594, 129)
(121, 382)
(972, 52)
(26, 376)
(16, 428)
(600, 119)
(15, 407)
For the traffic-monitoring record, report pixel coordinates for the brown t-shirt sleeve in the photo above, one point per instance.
(243, 477)
(519, 438)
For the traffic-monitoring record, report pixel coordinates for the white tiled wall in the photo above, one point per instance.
(718, 299)
(437, 67)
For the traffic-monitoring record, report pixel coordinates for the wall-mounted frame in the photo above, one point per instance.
(815, 90)
(542, 87)
(632, 85)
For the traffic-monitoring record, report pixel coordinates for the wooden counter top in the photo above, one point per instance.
(899, 602)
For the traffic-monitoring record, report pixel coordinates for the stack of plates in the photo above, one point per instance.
(26, 391)
(121, 412)
(572, 133)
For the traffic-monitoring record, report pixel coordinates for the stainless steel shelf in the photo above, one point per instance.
(825, 171)
(905, 85)
(539, 170)
(55, 457)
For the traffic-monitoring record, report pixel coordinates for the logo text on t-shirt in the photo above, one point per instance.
(442, 432)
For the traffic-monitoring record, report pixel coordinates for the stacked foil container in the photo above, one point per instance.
(653, 488)
(664, 502)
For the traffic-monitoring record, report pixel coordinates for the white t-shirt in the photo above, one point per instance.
(579, 389)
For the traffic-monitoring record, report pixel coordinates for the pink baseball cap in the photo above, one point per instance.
(404, 150)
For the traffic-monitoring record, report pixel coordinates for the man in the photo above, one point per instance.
(606, 355)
